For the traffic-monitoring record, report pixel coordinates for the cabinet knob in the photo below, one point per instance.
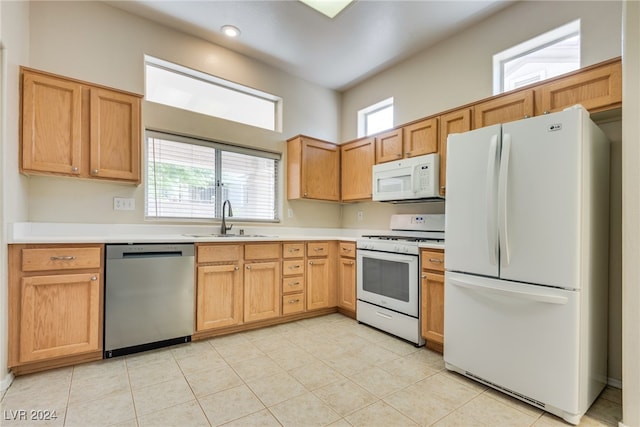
(94, 172)
(424, 276)
(351, 263)
(236, 268)
(305, 194)
(248, 267)
(74, 169)
(526, 116)
(408, 153)
(545, 112)
(310, 262)
(94, 278)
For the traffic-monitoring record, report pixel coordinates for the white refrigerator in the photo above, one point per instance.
(526, 267)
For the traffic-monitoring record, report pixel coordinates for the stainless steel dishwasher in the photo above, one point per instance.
(149, 297)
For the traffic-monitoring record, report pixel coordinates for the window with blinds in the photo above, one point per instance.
(188, 178)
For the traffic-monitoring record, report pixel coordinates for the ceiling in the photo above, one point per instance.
(365, 38)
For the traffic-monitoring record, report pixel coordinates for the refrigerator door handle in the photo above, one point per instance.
(502, 199)
(532, 296)
(491, 203)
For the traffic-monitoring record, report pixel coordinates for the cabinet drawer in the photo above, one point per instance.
(293, 303)
(317, 249)
(293, 267)
(219, 253)
(262, 251)
(292, 284)
(293, 250)
(348, 249)
(60, 258)
(433, 260)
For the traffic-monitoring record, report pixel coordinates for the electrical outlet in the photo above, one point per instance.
(360, 215)
(290, 213)
(124, 204)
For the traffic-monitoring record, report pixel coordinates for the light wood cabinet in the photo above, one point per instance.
(504, 108)
(55, 305)
(596, 89)
(219, 296)
(420, 138)
(357, 160)
(74, 128)
(389, 146)
(313, 169)
(293, 278)
(219, 287)
(454, 122)
(320, 272)
(347, 278)
(262, 281)
(432, 298)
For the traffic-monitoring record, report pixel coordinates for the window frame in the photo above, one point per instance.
(228, 85)
(218, 199)
(364, 113)
(534, 44)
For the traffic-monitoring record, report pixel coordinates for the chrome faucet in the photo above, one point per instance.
(223, 227)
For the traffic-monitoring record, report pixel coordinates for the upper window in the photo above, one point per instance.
(548, 55)
(181, 87)
(375, 118)
(191, 178)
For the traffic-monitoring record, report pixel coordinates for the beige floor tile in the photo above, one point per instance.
(182, 351)
(213, 380)
(412, 367)
(201, 361)
(458, 418)
(375, 355)
(148, 357)
(239, 351)
(316, 375)
(262, 418)
(275, 389)
(227, 340)
(185, 414)
(379, 414)
(379, 382)
(162, 395)
(54, 381)
(158, 371)
(345, 397)
(229, 405)
(305, 410)
(272, 343)
(340, 423)
(100, 368)
(613, 394)
(258, 367)
(606, 411)
(494, 412)
(291, 357)
(111, 409)
(512, 401)
(95, 386)
(396, 345)
(348, 363)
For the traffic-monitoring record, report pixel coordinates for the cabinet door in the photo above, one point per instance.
(507, 108)
(358, 158)
(320, 170)
(596, 90)
(432, 308)
(51, 125)
(61, 315)
(219, 297)
(115, 135)
(421, 138)
(389, 146)
(318, 291)
(454, 122)
(347, 293)
(261, 291)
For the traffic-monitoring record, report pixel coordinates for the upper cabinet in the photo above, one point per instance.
(412, 140)
(357, 160)
(74, 128)
(313, 169)
(505, 108)
(453, 122)
(596, 89)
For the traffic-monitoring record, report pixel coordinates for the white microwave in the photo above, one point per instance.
(406, 180)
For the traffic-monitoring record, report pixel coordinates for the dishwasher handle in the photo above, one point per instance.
(151, 254)
(158, 250)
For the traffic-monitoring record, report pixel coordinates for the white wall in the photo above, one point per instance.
(98, 43)
(14, 39)
(458, 71)
(630, 216)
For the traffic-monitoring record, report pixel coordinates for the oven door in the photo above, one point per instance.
(389, 280)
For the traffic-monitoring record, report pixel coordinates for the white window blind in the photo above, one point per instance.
(191, 178)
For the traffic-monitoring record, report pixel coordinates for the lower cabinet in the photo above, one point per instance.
(55, 305)
(432, 298)
(219, 296)
(321, 286)
(261, 291)
(347, 278)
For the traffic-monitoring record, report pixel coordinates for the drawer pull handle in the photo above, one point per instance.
(317, 249)
(294, 249)
(294, 284)
(438, 260)
(347, 249)
(63, 258)
(294, 267)
(293, 301)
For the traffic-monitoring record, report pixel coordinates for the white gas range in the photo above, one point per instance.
(388, 271)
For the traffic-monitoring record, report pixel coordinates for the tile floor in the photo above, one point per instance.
(315, 372)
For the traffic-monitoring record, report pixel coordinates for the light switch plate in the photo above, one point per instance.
(124, 204)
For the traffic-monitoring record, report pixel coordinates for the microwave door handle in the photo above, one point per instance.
(414, 183)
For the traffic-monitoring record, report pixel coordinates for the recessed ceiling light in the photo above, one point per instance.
(329, 8)
(230, 31)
